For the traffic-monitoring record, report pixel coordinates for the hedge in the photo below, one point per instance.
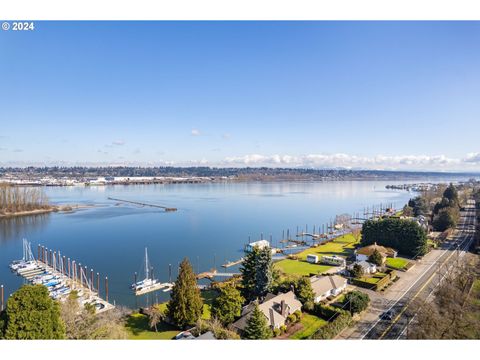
(390, 275)
(334, 327)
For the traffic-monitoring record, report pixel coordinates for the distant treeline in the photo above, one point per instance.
(15, 199)
(247, 172)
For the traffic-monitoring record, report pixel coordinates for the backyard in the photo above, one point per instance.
(341, 246)
(310, 324)
(397, 263)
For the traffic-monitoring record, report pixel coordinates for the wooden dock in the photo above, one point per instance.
(214, 273)
(232, 263)
(88, 292)
(144, 204)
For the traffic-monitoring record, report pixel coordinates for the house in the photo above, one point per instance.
(363, 254)
(334, 260)
(261, 244)
(367, 267)
(329, 285)
(276, 309)
(206, 336)
(312, 259)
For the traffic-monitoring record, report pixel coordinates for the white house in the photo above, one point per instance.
(261, 244)
(368, 268)
(364, 253)
(329, 285)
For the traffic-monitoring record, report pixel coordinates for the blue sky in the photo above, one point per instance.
(383, 95)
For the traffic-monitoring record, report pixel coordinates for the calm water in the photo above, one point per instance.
(213, 223)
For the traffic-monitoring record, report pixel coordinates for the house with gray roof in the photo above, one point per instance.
(325, 286)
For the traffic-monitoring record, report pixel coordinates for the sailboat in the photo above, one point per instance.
(147, 284)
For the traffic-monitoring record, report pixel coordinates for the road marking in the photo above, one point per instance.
(418, 292)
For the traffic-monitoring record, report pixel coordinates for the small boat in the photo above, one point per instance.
(148, 283)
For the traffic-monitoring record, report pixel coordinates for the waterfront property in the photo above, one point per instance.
(329, 285)
(367, 267)
(276, 309)
(364, 253)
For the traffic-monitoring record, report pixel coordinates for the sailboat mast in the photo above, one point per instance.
(146, 264)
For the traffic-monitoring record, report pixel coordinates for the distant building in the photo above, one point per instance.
(329, 285)
(276, 309)
(261, 244)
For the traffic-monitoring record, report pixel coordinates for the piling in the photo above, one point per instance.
(91, 278)
(106, 288)
(1, 297)
(98, 283)
(135, 278)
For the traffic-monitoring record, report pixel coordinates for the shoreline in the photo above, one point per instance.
(50, 209)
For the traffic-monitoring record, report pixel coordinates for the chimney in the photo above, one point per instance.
(272, 321)
(283, 308)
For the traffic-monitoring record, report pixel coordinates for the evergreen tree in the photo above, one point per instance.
(185, 305)
(257, 326)
(228, 305)
(356, 301)
(357, 271)
(376, 258)
(257, 273)
(32, 314)
(305, 293)
(446, 218)
(451, 194)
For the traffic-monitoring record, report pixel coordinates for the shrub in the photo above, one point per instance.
(356, 301)
(283, 329)
(334, 327)
(276, 332)
(298, 314)
(292, 318)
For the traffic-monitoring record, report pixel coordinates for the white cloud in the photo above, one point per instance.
(473, 158)
(196, 132)
(118, 142)
(340, 160)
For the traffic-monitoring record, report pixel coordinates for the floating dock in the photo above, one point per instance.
(232, 263)
(68, 275)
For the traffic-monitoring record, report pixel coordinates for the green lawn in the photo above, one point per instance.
(342, 246)
(397, 263)
(311, 324)
(373, 279)
(138, 329)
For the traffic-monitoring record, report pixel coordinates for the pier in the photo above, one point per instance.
(144, 204)
(232, 263)
(64, 275)
(214, 273)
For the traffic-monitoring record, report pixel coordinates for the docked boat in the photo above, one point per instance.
(148, 283)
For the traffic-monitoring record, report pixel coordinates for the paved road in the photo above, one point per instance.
(426, 283)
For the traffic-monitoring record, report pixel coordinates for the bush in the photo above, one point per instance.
(283, 329)
(334, 327)
(292, 318)
(298, 314)
(276, 332)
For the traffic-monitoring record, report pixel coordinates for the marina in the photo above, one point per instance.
(61, 276)
(215, 223)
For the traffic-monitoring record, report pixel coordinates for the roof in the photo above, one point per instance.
(323, 284)
(365, 264)
(260, 244)
(370, 249)
(271, 302)
(206, 336)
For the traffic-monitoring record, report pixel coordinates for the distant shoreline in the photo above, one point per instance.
(49, 209)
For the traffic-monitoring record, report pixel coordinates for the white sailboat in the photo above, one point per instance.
(147, 284)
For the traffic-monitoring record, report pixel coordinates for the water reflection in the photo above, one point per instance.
(15, 228)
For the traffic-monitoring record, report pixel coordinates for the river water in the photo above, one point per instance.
(212, 224)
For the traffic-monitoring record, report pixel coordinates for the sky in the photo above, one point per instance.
(367, 95)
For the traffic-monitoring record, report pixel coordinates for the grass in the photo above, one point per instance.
(373, 279)
(311, 324)
(397, 263)
(341, 246)
(138, 329)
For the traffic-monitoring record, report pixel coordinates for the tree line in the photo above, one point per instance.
(15, 199)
